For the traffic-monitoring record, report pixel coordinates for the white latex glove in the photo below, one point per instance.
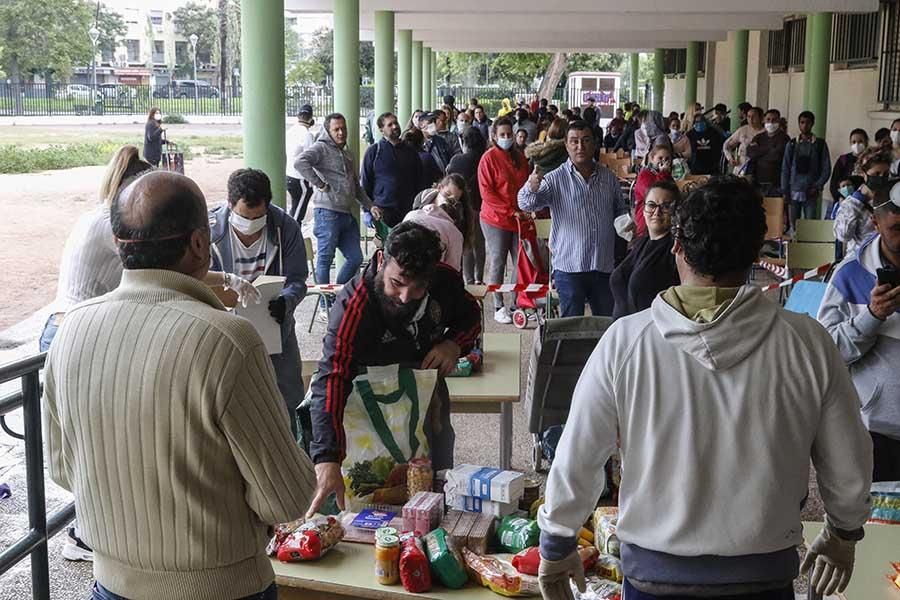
(554, 576)
(624, 226)
(243, 288)
(833, 558)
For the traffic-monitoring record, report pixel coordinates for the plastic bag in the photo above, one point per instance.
(605, 538)
(499, 576)
(311, 540)
(610, 567)
(598, 589)
(414, 571)
(515, 534)
(528, 561)
(384, 423)
(446, 562)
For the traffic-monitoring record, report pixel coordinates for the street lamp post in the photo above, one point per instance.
(95, 37)
(194, 38)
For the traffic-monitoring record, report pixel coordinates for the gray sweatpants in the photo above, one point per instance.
(500, 244)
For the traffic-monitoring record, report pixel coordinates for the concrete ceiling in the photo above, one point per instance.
(579, 25)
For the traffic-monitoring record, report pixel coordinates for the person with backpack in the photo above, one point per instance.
(805, 170)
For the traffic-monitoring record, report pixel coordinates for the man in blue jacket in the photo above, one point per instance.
(249, 237)
(390, 173)
(805, 170)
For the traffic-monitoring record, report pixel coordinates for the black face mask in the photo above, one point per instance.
(876, 183)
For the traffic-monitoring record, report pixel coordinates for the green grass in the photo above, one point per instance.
(14, 159)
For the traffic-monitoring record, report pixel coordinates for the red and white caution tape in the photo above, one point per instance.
(812, 274)
(530, 288)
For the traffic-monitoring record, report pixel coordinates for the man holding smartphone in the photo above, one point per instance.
(860, 311)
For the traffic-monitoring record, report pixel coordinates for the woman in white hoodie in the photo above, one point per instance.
(717, 399)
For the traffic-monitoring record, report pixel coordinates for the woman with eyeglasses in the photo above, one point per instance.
(649, 268)
(445, 210)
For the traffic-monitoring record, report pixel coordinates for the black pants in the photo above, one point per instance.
(301, 191)
(439, 429)
(886, 454)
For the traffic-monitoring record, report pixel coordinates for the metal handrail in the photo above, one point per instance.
(41, 527)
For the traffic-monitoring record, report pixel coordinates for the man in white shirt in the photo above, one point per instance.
(297, 139)
(715, 457)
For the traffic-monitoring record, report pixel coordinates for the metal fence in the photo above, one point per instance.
(40, 526)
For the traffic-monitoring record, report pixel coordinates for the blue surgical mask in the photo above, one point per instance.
(699, 126)
(505, 143)
(846, 191)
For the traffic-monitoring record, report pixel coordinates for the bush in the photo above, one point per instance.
(15, 159)
(174, 119)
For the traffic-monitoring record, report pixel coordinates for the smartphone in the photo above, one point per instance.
(888, 276)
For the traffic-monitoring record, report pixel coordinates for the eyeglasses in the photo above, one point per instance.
(651, 207)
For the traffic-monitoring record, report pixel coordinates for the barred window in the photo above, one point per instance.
(675, 61)
(889, 74)
(787, 47)
(854, 39)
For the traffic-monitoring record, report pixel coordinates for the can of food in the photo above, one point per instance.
(387, 559)
(532, 492)
(386, 531)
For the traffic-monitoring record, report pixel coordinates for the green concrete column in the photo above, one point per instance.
(807, 59)
(659, 81)
(404, 76)
(384, 62)
(427, 100)
(417, 76)
(818, 71)
(635, 69)
(262, 65)
(346, 68)
(431, 78)
(690, 73)
(739, 69)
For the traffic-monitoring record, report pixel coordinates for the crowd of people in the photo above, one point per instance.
(157, 400)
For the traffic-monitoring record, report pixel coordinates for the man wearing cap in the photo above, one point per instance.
(435, 144)
(297, 139)
(859, 310)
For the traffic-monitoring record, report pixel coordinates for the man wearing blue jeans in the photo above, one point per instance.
(330, 168)
(584, 199)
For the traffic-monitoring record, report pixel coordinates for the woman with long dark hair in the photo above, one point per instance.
(466, 165)
(153, 137)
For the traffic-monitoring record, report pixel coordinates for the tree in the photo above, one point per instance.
(323, 53)
(112, 29)
(223, 49)
(555, 70)
(44, 37)
(520, 68)
(193, 18)
(291, 46)
(305, 72)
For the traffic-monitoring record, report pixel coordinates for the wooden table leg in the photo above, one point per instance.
(506, 431)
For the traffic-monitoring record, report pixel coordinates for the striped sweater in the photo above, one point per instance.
(163, 417)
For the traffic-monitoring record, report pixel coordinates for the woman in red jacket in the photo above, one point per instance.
(502, 172)
(659, 168)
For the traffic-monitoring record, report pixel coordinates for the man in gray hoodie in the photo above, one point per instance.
(331, 169)
(715, 455)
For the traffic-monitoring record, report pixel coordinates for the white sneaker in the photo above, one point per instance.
(502, 316)
(75, 549)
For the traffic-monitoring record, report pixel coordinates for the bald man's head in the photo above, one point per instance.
(154, 219)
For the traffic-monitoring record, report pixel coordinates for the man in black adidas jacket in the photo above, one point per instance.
(405, 308)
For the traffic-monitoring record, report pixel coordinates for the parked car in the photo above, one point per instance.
(188, 88)
(78, 91)
(114, 91)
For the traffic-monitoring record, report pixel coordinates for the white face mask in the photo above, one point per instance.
(857, 148)
(505, 143)
(771, 127)
(246, 226)
(895, 137)
(157, 116)
(462, 127)
(431, 129)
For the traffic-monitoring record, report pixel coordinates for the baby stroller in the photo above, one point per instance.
(530, 269)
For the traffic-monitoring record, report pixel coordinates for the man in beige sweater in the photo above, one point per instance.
(164, 419)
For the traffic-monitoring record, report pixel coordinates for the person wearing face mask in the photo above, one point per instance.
(435, 144)
(765, 154)
(659, 168)
(649, 267)
(390, 173)
(846, 163)
(735, 149)
(154, 135)
(804, 171)
(705, 145)
(445, 210)
(853, 220)
(463, 124)
(249, 237)
(675, 133)
(653, 132)
(502, 172)
(297, 139)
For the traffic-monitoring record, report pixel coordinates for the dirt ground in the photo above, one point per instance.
(38, 210)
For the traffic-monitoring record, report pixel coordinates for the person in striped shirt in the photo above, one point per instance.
(584, 199)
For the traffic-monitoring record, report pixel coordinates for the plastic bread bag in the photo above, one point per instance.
(624, 226)
(499, 576)
(280, 532)
(598, 589)
(415, 574)
(311, 540)
(610, 567)
(528, 561)
(446, 562)
(515, 534)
